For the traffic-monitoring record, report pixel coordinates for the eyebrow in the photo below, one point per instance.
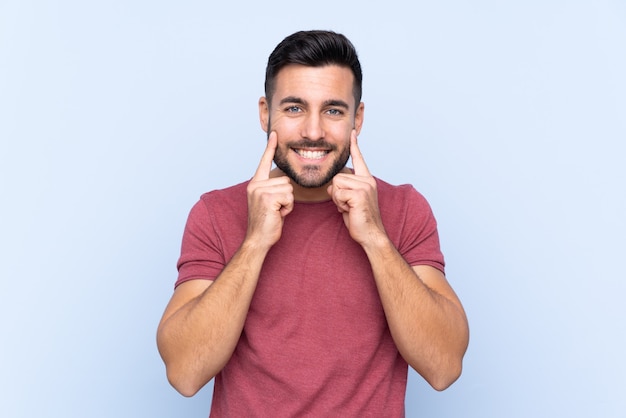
(330, 102)
(292, 99)
(336, 103)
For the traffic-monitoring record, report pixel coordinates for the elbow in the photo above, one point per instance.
(183, 383)
(448, 367)
(185, 389)
(445, 377)
(187, 379)
(183, 375)
(439, 368)
(441, 372)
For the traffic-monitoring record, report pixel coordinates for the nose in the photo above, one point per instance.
(312, 127)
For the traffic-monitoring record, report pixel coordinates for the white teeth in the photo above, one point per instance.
(311, 155)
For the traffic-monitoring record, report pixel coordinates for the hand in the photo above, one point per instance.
(356, 198)
(269, 200)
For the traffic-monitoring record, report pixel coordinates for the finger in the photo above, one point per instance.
(360, 168)
(336, 194)
(286, 207)
(265, 166)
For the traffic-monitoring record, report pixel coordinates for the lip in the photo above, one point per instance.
(311, 154)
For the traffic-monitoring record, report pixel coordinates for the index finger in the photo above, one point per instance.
(360, 168)
(265, 166)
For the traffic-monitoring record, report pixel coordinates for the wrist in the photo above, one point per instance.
(378, 241)
(253, 246)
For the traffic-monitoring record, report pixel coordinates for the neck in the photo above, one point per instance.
(308, 194)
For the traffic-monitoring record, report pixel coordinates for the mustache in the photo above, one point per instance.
(307, 143)
(303, 143)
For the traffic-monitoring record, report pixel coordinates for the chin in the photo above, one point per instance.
(311, 182)
(313, 176)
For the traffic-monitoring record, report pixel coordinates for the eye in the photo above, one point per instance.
(293, 109)
(334, 112)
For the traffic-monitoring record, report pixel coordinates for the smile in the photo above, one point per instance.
(311, 155)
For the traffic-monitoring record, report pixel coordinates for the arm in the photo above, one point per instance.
(425, 317)
(203, 321)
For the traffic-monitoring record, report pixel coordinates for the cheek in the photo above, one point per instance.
(342, 132)
(282, 125)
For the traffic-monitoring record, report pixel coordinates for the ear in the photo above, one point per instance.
(264, 113)
(358, 118)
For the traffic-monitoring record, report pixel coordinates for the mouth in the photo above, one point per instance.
(311, 154)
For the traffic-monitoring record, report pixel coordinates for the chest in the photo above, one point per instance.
(317, 282)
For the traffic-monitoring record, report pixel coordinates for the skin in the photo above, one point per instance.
(313, 109)
(312, 106)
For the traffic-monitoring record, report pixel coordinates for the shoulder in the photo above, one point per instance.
(229, 200)
(234, 191)
(400, 195)
(410, 223)
(230, 196)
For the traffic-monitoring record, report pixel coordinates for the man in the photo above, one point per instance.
(306, 290)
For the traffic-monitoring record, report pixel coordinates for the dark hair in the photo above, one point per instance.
(314, 48)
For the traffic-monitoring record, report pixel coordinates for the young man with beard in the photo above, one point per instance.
(307, 290)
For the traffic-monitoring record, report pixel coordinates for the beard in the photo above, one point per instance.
(311, 175)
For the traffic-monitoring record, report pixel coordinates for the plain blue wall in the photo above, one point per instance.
(509, 116)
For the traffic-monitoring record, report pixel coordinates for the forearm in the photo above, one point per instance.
(429, 328)
(197, 339)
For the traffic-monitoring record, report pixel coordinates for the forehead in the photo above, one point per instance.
(313, 84)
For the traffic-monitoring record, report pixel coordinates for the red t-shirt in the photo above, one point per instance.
(315, 342)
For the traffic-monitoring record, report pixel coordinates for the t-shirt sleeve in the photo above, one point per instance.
(201, 256)
(419, 239)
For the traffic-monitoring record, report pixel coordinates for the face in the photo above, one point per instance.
(313, 113)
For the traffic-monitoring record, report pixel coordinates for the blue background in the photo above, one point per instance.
(510, 117)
